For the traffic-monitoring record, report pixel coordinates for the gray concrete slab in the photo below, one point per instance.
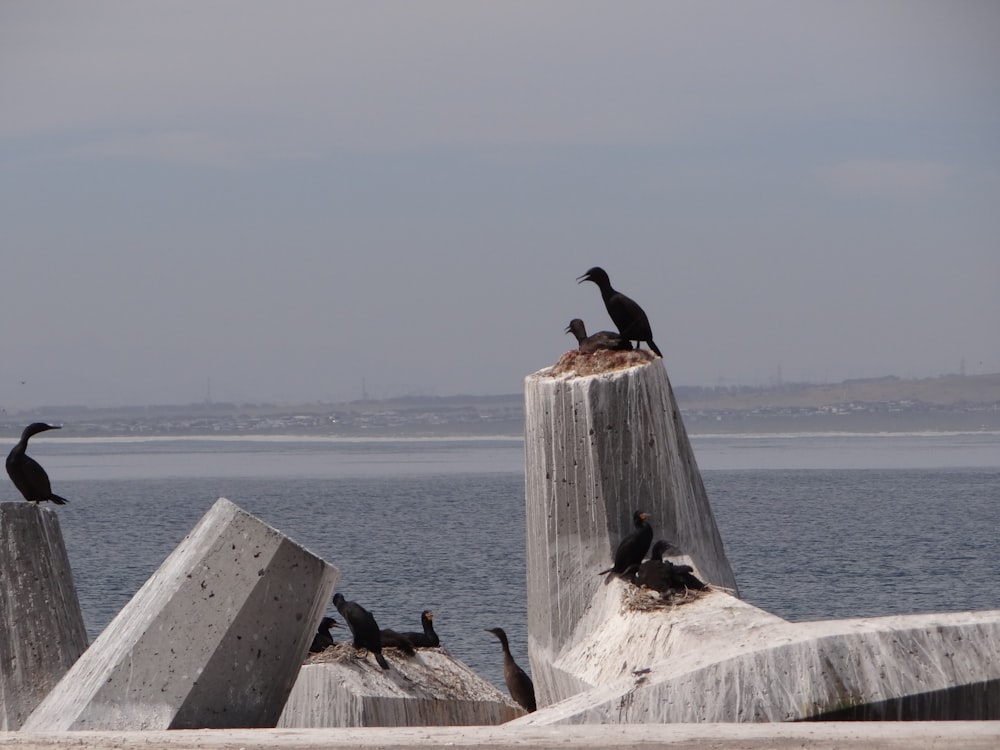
(41, 627)
(214, 638)
(814, 736)
(341, 688)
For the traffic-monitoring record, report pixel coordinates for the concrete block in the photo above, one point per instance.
(214, 638)
(41, 627)
(335, 688)
(603, 437)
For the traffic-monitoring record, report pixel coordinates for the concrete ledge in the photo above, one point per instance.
(973, 735)
(41, 626)
(431, 688)
(214, 638)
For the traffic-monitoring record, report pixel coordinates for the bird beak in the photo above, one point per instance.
(644, 516)
(568, 329)
(336, 625)
(581, 279)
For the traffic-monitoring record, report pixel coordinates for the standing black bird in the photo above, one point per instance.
(632, 548)
(427, 639)
(627, 315)
(24, 471)
(599, 340)
(663, 575)
(363, 626)
(518, 683)
(323, 639)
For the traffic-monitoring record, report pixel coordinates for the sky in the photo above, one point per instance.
(310, 201)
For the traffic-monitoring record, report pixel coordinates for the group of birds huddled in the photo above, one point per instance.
(367, 636)
(656, 573)
(630, 319)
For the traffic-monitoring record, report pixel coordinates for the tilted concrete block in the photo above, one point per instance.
(41, 627)
(213, 639)
(431, 688)
(603, 438)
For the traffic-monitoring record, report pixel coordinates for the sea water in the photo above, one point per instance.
(815, 526)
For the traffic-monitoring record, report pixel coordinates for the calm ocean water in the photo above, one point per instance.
(814, 526)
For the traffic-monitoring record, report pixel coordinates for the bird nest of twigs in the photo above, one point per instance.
(579, 363)
(638, 599)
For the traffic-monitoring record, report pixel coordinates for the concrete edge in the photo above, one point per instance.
(973, 735)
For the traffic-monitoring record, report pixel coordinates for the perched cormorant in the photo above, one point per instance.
(599, 340)
(632, 548)
(396, 640)
(518, 683)
(24, 471)
(427, 639)
(363, 626)
(625, 312)
(323, 639)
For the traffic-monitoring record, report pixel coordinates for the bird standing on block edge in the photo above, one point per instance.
(26, 474)
(625, 312)
(519, 685)
(362, 624)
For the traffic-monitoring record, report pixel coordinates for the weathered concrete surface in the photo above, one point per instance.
(41, 626)
(214, 638)
(597, 447)
(718, 659)
(337, 688)
(979, 735)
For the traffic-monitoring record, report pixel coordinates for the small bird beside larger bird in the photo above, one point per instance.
(596, 341)
(625, 312)
(26, 474)
(428, 638)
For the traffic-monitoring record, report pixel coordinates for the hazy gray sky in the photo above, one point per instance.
(288, 198)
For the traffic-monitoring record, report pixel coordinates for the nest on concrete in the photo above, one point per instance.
(343, 652)
(639, 599)
(577, 363)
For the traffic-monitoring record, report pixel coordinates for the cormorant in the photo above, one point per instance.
(396, 640)
(363, 626)
(632, 548)
(625, 312)
(323, 639)
(427, 639)
(518, 683)
(663, 575)
(599, 340)
(24, 471)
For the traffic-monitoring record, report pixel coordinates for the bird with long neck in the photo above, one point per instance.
(367, 634)
(428, 638)
(625, 312)
(519, 685)
(26, 473)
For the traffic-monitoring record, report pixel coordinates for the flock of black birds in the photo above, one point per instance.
(655, 573)
(662, 576)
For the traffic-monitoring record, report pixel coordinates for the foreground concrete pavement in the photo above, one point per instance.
(968, 735)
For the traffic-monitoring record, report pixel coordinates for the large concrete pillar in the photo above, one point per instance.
(213, 639)
(41, 626)
(603, 438)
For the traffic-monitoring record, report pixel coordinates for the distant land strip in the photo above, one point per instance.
(886, 404)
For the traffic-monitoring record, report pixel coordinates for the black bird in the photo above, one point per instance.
(663, 575)
(427, 639)
(396, 640)
(625, 312)
(25, 472)
(363, 626)
(599, 340)
(632, 548)
(518, 683)
(323, 639)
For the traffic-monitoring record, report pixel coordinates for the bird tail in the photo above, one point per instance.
(381, 660)
(58, 500)
(655, 348)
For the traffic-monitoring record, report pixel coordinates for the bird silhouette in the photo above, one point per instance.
(26, 473)
(624, 311)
